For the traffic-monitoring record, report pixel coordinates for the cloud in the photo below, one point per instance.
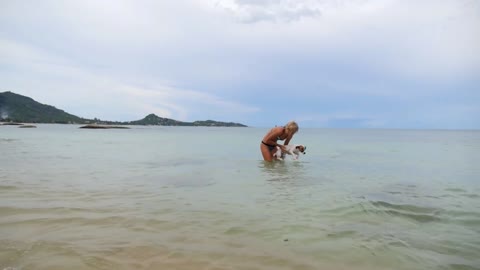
(242, 60)
(248, 11)
(95, 93)
(429, 39)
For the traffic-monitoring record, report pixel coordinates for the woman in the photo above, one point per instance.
(269, 143)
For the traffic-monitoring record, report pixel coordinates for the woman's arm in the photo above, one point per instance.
(271, 137)
(288, 139)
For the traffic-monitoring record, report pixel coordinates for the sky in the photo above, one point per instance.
(324, 63)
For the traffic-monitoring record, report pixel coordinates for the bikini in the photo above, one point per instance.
(271, 147)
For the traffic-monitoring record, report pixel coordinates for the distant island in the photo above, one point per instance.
(15, 108)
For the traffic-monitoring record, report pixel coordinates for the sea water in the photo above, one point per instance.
(203, 198)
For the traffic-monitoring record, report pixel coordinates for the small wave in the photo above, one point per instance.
(71, 221)
(180, 162)
(459, 190)
(348, 210)
(6, 210)
(413, 212)
(3, 188)
(458, 266)
(342, 234)
(7, 140)
(235, 230)
(470, 222)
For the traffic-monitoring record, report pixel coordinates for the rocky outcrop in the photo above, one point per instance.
(95, 126)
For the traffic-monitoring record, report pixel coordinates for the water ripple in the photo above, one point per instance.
(416, 213)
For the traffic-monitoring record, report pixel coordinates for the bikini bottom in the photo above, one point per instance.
(270, 147)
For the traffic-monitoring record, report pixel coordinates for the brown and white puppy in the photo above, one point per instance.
(293, 149)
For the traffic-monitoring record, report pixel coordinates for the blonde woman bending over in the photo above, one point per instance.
(269, 143)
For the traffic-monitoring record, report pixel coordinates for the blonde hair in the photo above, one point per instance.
(292, 125)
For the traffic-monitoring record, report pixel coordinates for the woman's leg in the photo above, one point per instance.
(266, 153)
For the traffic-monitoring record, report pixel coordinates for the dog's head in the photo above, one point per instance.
(301, 148)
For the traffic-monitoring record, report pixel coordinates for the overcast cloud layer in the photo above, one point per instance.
(325, 63)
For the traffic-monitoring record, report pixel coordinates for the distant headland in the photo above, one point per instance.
(15, 108)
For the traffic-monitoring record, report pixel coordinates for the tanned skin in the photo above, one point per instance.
(271, 139)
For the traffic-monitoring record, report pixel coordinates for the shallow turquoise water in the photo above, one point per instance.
(202, 198)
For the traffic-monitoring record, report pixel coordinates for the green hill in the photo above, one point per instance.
(153, 120)
(211, 123)
(18, 108)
